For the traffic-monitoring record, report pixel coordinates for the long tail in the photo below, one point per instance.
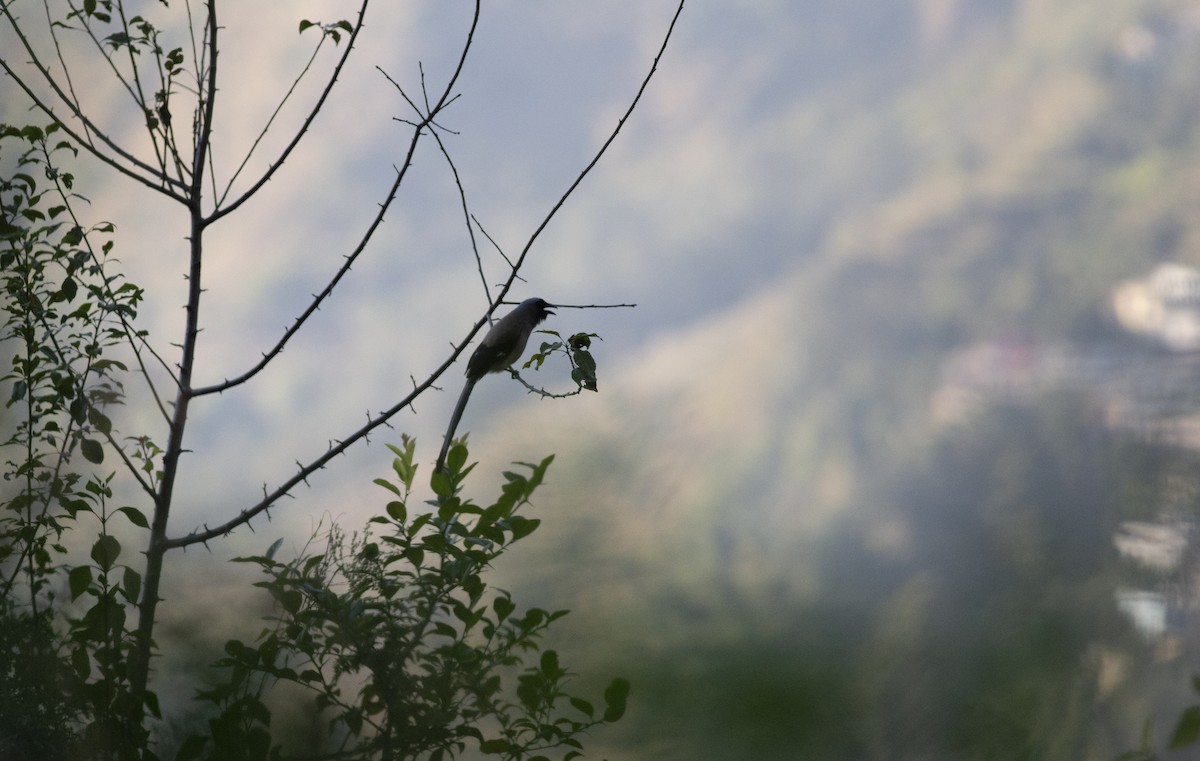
(454, 418)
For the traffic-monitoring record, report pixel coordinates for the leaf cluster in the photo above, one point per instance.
(63, 313)
(66, 687)
(405, 648)
(577, 350)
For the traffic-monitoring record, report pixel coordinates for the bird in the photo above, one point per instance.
(501, 347)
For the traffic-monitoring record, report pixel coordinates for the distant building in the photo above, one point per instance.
(1164, 306)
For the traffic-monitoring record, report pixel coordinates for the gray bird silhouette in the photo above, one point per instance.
(502, 346)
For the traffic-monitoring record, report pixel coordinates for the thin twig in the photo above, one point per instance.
(492, 240)
(271, 120)
(221, 211)
(167, 184)
(595, 159)
(130, 465)
(131, 335)
(86, 142)
(349, 260)
(462, 196)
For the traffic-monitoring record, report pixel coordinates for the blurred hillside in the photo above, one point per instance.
(776, 539)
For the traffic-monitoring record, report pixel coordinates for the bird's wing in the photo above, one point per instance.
(487, 359)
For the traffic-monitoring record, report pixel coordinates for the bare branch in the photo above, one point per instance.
(492, 240)
(132, 337)
(516, 266)
(130, 465)
(304, 471)
(86, 143)
(319, 298)
(164, 184)
(208, 103)
(271, 120)
(462, 196)
(58, 52)
(594, 306)
(138, 92)
(139, 669)
(87, 29)
(220, 211)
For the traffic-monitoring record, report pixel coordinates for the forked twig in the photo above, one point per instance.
(349, 260)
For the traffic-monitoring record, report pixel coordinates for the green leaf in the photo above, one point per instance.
(529, 691)
(92, 451)
(457, 458)
(584, 381)
(135, 516)
(586, 361)
(1187, 731)
(78, 407)
(503, 607)
(583, 707)
(388, 485)
(275, 545)
(105, 551)
(79, 579)
(523, 527)
(99, 420)
(73, 236)
(495, 747)
(18, 392)
(397, 511)
(354, 721)
(441, 484)
(133, 584)
(403, 463)
(69, 289)
(305, 24)
(614, 699)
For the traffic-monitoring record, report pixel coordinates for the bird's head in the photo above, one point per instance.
(539, 309)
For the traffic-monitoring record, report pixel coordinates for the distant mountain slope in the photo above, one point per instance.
(763, 521)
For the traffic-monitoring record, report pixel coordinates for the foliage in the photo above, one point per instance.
(65, 690)
(577, 349)
(405, 648)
